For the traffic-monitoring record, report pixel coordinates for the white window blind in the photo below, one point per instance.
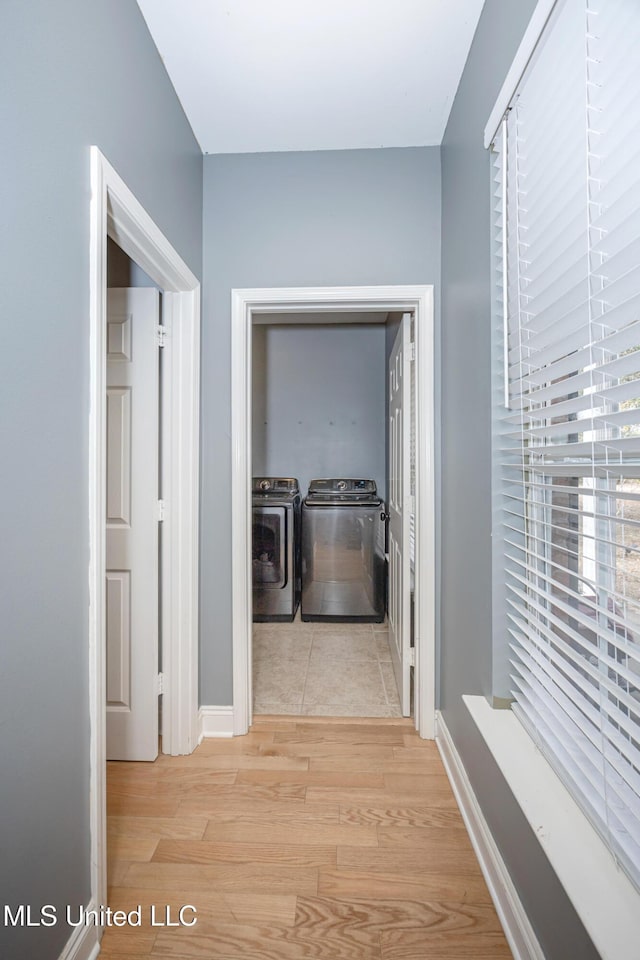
(566, 241)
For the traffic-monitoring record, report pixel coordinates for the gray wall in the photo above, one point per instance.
(466, 640)
(292, 219)
(323, 411)
(72, 74)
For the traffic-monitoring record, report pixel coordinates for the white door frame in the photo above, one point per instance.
(244, 305)
(115, 212)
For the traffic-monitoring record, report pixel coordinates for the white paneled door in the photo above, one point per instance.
(400, 510)
(132, 562)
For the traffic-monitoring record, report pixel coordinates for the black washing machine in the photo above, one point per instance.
(275, 548)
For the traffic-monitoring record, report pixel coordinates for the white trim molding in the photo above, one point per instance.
(532, 34)
(215, 722)
(608, 908)
(247, 305)
(515, 923)
(115, 212)
(84, 942)
(180, 534)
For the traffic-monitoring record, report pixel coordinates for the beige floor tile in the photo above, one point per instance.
(323, 669)
(295, 629)
(382, 645)
(344, 646)
(290, 646)
(390, 685)
(331, 627)
(344, 682)
(279, 680)
(349, 710)
(277, 708)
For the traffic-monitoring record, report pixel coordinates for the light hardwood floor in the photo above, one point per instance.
(336, 840)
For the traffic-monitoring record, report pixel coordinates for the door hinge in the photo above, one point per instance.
(161, 336)
(161, 510)
(412, 351)
(160, 683)
(412, 656)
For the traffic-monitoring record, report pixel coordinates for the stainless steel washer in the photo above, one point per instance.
(343, 561)
(275, 548)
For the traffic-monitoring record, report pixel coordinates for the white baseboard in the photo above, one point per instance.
(515, 922)
(84, 942)
(215, 722)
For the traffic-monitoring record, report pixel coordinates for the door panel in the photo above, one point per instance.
(132, 562)
(399, 511)
(119, 456)
(118, 639)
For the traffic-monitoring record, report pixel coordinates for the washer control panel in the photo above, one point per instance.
(348, 486)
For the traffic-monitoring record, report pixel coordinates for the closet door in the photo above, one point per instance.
(132, 565)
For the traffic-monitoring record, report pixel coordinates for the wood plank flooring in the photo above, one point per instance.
(305, 839)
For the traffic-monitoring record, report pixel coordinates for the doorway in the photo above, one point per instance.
(320, 410)
(116, 214)
(314, 305)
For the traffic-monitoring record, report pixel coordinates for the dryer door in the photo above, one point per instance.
(269, 554)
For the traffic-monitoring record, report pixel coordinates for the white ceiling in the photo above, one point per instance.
(265, 75)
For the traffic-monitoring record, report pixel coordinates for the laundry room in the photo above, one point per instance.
(320, 412)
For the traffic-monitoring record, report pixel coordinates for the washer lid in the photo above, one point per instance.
(342, 490)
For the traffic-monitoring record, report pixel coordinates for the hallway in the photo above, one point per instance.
(303, 839)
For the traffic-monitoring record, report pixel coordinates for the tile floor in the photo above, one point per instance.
(323, 670)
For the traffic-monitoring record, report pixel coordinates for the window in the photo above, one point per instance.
(566, 191)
